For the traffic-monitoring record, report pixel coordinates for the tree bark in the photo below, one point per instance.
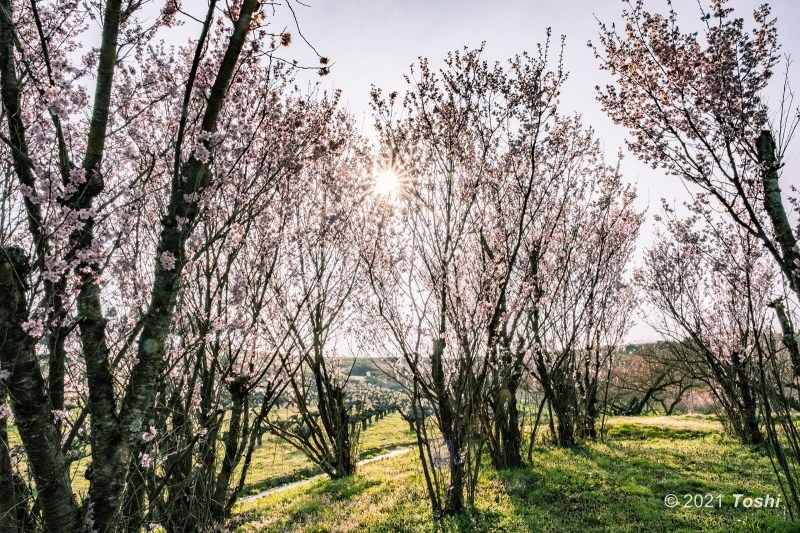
(789, 338)
(454, 498)
(233, 440)
(29, 400)
(8, 503)
(773, 205)
(506, 450)
(505, 438)
(750, 431)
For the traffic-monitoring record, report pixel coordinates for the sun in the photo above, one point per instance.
(387, 183)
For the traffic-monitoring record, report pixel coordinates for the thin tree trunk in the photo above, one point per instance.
(254, 440)
(513, 438)
(233, 439)
(423, 446)
(535, 429)
(8, 503)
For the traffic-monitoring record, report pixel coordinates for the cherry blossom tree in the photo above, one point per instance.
(711, 287)
(514, 196)
(694, 105)
(115, 204)
(319, 271)
(428, 295)
(579, 304)
(226, 360)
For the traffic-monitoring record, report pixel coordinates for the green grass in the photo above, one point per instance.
(276, 463)
(616, 486)
(80, 485)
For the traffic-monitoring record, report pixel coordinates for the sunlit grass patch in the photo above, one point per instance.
(277, 463)
(617, 486)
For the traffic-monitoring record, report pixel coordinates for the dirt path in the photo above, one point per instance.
(281, 488)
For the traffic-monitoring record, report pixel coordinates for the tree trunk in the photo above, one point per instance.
(8, 503)
(750, 432)
(57, 360)
(789, 338)
(233, 440)
(532, 439)
(565, 430)
(563, 403)
(506, 452)
(589, 426)
(589, 429)
(342, 442)
(454, 499)
(29, 401)
(512, 442)
(505, 439)
(454, 496)
(773, 205)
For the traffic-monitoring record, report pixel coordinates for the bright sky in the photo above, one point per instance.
(374, 42)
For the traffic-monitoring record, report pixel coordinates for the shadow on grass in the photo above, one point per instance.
(616, 486)
(630, 431)
(621, 486)
(341, 489)
(312, 503)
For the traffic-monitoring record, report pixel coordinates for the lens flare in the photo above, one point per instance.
(386, 183)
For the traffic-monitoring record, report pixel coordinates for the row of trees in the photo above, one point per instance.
(173, 263)
(501, 258)
(193, 252)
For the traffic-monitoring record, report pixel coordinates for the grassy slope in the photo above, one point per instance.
(277, 463)
(614, 486)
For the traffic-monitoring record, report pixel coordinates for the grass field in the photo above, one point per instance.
(277, 463)
(618, 485)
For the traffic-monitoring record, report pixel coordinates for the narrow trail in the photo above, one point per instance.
(281, 488)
